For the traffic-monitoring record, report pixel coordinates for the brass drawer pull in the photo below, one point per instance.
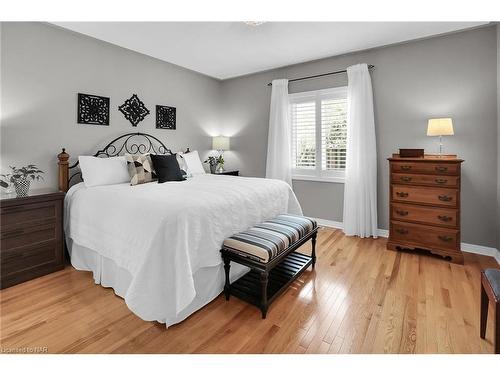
(405, 178)
(444, 218)
(441, 168)
(405, 167)
(401, 194)
(401, 212)
(402, 231)
(445, 198)
(445, 238)
(441, 180)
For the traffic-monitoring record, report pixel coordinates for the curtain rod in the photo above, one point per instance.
(320, 75)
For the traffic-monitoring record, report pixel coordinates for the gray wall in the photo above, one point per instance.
(498, 136)
(44, 67)
(453, 75)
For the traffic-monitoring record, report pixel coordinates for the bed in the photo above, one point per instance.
(157, 245)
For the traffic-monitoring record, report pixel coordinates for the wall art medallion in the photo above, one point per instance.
(134, 110)
(165, 117)
(93, 109)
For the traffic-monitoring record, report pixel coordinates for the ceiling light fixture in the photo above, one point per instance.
(254, 23)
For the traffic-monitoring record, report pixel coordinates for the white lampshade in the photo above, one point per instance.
(440, 126)
(220, 143)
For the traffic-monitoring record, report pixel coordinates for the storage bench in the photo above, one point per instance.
(269, 250)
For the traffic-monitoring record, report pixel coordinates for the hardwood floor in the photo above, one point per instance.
(361, 298)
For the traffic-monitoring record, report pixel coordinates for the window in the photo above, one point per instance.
(319, 134)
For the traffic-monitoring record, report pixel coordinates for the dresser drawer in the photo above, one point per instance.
(27, 213)
(28, 235)
(24, 258)
(425, 179)
(425, 235)
(425, 215)
(426, 195)
(425, 167)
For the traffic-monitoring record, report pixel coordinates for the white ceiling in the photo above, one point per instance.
(229, 49)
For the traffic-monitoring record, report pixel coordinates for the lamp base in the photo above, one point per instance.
(220, 167)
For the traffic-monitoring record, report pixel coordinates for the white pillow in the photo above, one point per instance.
(103, 171)
(193, 163)
(181, 162)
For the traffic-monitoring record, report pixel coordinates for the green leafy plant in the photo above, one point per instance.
(30, 171)
(215, 160)
(211, 160)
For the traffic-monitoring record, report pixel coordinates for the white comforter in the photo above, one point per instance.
(163, 233)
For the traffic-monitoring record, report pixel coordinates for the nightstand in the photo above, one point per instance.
(229, 173)
(31, 234)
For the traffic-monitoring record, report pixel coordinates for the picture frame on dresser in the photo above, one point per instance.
(425, 205)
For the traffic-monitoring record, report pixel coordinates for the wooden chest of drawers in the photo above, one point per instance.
(425, 205)
(31, 237)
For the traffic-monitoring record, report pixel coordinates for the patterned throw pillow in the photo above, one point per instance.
(140, 169)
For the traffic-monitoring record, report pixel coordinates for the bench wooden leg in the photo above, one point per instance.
(484, 312)
(313, 252)
(227, 285)
(263, 303)
(497, 328)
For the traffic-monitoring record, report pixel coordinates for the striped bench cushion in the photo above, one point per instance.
(265, 241)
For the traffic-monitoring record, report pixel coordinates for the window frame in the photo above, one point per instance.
(317, 174)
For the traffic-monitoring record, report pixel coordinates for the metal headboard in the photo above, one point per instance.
(130, 143)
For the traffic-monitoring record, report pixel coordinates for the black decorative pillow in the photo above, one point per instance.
(140, 169)
(167, 168)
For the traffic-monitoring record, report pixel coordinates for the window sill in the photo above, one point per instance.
(337, 180)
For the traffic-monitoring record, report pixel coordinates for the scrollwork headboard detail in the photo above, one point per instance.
(131, 143)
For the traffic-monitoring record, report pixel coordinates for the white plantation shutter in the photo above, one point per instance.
(304, 135)
(333, 134)
(319, 134)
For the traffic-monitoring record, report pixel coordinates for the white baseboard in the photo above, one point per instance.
(330, 223)
(383, 233)
(467, 247)
(482, 250)
(340, 225)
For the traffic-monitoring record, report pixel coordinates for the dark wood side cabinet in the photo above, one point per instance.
(425, 205)
(229, 173)
(31, 230)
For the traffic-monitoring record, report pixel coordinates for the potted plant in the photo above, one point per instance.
(22, 177)
(220, 163)
(213, 161)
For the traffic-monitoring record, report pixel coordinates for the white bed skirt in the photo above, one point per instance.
(209, 281)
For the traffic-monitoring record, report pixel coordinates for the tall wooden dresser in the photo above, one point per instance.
(425, 205)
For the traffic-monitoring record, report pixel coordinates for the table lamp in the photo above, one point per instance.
(220, 144)
(440, 127)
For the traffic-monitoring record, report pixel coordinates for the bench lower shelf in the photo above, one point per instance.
(248, 287)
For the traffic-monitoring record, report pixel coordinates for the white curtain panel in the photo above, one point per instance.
(360, 189)
(279, 156)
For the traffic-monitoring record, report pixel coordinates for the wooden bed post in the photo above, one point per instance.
(63, 170)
